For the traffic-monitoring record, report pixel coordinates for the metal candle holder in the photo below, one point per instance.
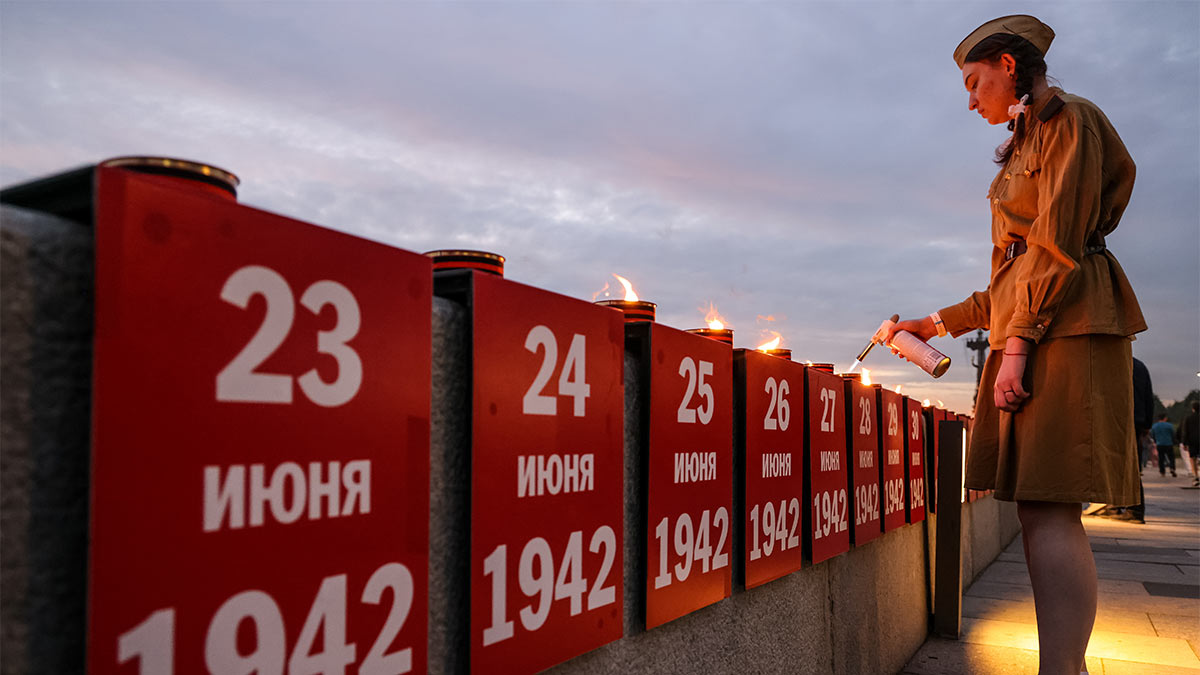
(719, 334)
(636, 311)
(460, 259)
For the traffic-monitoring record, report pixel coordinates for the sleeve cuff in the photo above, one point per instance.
(954, 318)
(1026, 325)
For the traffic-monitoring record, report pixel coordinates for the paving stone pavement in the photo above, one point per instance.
(1148, 617)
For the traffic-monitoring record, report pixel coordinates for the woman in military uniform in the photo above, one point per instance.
(1054, 416)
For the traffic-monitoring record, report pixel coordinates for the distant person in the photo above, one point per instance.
(1054, 416)
(1143, 417)
(1164, 437)
(1189, 437)
(1143, 410)
(1146, 448)
(1184, 455)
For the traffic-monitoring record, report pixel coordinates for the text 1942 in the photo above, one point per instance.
(538, 579)
(692, 545)
(152, 641)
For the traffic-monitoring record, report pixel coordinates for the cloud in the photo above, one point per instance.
(813, 160)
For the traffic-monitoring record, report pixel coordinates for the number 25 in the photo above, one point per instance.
(695, 385)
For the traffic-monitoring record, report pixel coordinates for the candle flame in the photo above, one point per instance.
(772, 344)
(713, 318)
(940, 404)
(630, 296)
(607, 292)
(866, 376)
(925, 403)
(898, 388)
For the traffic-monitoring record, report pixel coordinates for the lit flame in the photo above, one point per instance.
(606, 293)
(767, 346)
(866, 376)
(630, 296)
(898, 388)
(713, 318)
(771, 344)
(925, 403)
(940, 404)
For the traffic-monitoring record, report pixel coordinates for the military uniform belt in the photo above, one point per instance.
(1019, 247)
(1015, 249)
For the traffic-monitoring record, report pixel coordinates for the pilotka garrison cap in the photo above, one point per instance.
(1023, 25)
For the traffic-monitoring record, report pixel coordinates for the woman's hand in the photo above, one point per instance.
(1009, 392)
(922, 328)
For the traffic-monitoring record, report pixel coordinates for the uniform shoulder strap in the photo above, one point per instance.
(1052, 108)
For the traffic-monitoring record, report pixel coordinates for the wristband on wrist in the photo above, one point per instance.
(938, 324)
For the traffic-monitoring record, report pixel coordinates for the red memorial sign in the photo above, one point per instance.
(828, 509)
(547, 488)
(689, 474)
(891, 409)
(969, 429)
(260, 441)
(774, 444)
(937, 416)
(863, 434)
(914, 464)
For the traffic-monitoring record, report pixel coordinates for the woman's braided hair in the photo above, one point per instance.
(1031, 64)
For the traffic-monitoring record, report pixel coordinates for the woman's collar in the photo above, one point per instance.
(1034, 110)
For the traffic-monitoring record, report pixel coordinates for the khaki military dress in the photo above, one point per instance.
(1054, 282)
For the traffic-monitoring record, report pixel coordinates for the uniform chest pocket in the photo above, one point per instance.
(1028, 166)
(1015, 180)
(1015, 187)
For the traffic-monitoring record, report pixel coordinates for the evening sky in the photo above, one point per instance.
(814, 162)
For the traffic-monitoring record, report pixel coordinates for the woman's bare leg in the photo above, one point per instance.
(1063, 574)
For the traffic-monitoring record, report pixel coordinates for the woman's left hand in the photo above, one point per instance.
(1009, 392)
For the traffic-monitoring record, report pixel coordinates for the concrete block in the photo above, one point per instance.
(985, 533)
(44, 453)
(450, 489)
(901, 596)
(1010, 525)
(780, 627)
(969, 572)
(634, 542)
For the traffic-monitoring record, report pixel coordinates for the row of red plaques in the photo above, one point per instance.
(260, 471)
